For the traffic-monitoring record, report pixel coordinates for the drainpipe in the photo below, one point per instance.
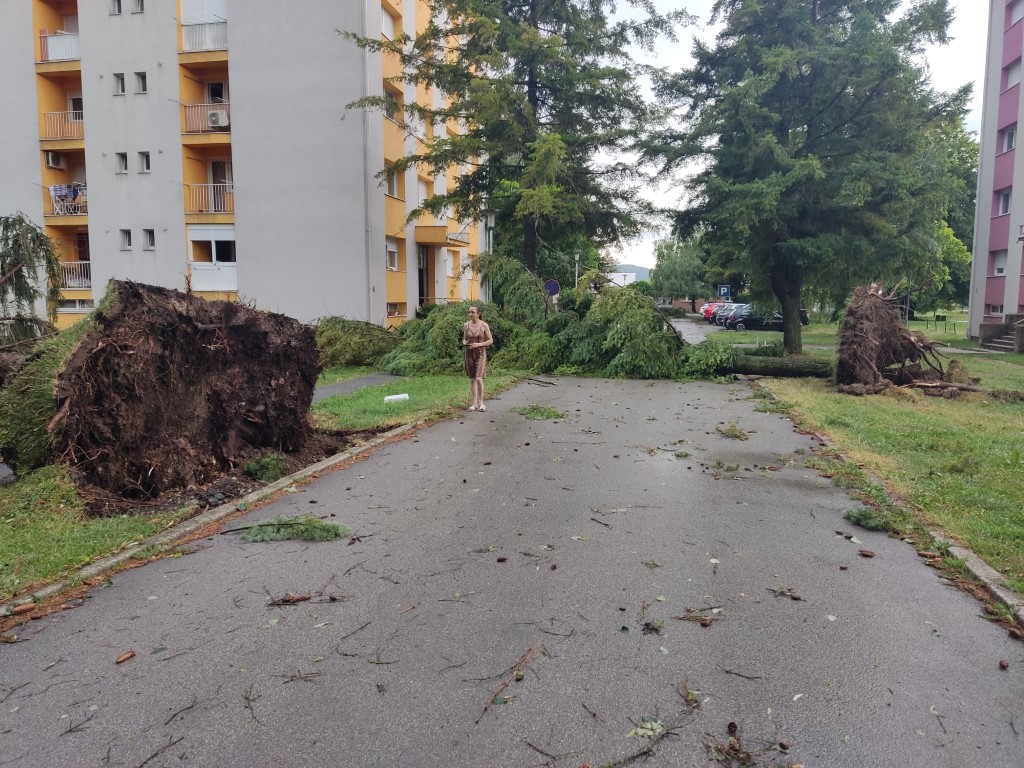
(366, 163)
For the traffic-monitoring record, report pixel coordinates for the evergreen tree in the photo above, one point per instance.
(678, 271)
(815, 125)
(541, 96)
(29, 273)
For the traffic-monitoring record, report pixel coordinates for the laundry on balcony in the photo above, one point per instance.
(68, 199)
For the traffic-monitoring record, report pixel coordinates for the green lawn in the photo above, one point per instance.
(335, 375)
(429, 396)
(957, 463)
(44, 534)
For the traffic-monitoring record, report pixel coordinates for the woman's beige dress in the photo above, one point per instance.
(475, 360)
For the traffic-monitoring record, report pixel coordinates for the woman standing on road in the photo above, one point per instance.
(476, 337)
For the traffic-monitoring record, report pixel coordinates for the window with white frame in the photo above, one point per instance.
(1009, 136)
(139, 7)
(387, 24)
(449, 264)
(122, 161)
(119, 83)
(1005, 199)
(126, 239)
(115, 7)
(1012, 73)
(391, 256)
(999, 262)
(995, 309)
(1016, 12)
(149, 239)
(391, 184)
(396, 309)
(144, 163)
(141, 83)
(75, 305)
(392, 107)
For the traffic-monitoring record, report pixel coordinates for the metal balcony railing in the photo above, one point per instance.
(66, 200)
(207, 36)
(63, 125)
(207, 118)
(76, 274)
(210, 198)
(59, 46)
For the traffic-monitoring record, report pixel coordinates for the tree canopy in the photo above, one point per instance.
(541, 97)
(815, 125)
(678, 270)
(29, 273)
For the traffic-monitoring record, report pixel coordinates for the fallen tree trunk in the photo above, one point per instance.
(782, 367)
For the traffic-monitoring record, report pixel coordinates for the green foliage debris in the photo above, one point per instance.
(267, 468)
(305, 527)
(539, 412)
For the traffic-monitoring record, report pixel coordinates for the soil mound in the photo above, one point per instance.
(165, 390)
(877, 351)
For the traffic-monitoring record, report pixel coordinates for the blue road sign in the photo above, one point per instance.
(724, 292)
(552, 287)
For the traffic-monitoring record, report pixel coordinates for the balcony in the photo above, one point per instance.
(208, 36)
(76, 274)
(59, 46)
(66, 200)
(63, 125)
(210, 198)
(207, 118)
(213, 276)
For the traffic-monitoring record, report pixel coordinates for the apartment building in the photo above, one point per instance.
(997, 279)
(206, 144)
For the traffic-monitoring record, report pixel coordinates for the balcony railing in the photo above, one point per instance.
(59, 46)
(76, 274)
(63, 125)
(207, 118)
(210, 276)
(66, 200)
(210, 198)
(208, 36)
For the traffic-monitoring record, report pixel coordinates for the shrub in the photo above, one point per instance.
(268, 468)
(705, 360)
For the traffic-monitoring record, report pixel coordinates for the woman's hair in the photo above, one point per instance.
(479, 312)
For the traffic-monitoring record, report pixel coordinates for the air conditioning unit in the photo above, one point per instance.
(54, 160)
(217, 118)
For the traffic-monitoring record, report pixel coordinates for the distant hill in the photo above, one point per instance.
(642, 273)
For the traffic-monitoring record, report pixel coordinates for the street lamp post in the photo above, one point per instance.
(577, 280)
(490, 216)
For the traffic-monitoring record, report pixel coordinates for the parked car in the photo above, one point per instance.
(708, 308)
(723, 318)
(722, 312)
(749, 319)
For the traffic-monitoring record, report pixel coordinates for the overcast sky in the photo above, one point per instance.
(951, 66)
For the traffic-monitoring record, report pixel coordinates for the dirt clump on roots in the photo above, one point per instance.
(876, 351)
(166, 392)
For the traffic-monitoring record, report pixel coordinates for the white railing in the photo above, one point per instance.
(76, 274)
(66, 200)
(63, 125)
(209, 198)
(207, 118)
(208, 276)
(208, 36)
(59, 46)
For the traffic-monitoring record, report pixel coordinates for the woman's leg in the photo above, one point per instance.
(472, 393)
(479, 392)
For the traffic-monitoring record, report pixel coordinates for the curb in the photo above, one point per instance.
(166, 539)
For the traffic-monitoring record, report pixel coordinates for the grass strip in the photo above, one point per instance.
(344, 373)
(429, 397)
(956, 463)
(45, 535)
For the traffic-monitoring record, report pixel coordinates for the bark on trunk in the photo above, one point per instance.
(782, 367)
(786, 285)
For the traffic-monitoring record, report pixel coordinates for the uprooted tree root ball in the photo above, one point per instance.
(161, 391)
(876, 351)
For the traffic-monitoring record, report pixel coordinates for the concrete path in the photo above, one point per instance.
(563, 549)
(351, 385)
(693, 331)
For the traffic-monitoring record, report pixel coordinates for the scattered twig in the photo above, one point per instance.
(181, 711)
(300, 677)
(250, 699)
(379, 660)
(547, 754)
(352, 568)
(601, 522)
(287, 598)
(785, 592)
(358, 629)
(170, 743)
(14, 690)
(738, 674)
(79, 726)
(670, 730)
(516, 673)
(591, 712)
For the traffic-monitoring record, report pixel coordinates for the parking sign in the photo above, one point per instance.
(724, 292)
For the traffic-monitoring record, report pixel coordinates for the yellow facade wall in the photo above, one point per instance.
(394, 216)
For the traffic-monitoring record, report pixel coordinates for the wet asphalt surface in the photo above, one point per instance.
(491, 543)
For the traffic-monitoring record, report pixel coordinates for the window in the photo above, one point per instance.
(1005, 198)
(149, 239)
(998, 262)
(77, 107)
(995, 309)
(392, 107)
(1012, 75)
(396, 309)
(75, 305)
(122, 162)
(144, 162)
(115, 7)
(387, 24)
(392, 187)
(1009, 135)
(141, 84)
(119, 83)
(139, 7)
(392, 257)
(1016, 12)
(126, 239)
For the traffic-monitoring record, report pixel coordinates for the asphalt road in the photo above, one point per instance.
(493, 543)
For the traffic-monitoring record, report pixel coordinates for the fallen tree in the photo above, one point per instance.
(876, 351)
(160, 390)
(759, 365)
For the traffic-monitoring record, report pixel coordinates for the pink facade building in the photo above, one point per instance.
(997, 279)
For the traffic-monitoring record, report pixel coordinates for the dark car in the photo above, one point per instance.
(720, 312)
(750, 319)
